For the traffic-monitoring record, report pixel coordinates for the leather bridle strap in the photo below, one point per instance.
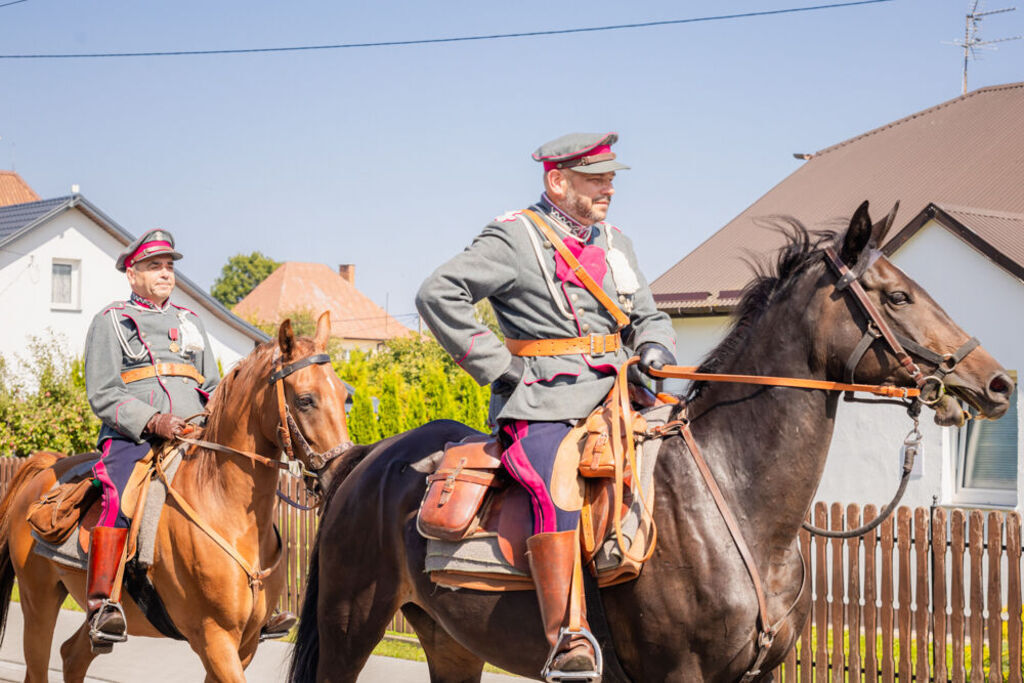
(690, 372)
(284, 371)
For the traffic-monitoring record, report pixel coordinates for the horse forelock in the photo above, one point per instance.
(772, 280)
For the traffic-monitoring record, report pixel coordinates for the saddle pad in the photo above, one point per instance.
(480, 553)
(70, 552)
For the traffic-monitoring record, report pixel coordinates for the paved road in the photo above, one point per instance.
(160, 660)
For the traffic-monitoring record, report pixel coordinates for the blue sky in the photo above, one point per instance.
(394, 158)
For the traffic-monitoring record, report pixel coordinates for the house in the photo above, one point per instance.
(57, 271)
(309, 289)
(958, 170)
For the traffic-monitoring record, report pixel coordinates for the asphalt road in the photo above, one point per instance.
(160, 660)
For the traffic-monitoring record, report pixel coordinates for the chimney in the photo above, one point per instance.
(347, 271)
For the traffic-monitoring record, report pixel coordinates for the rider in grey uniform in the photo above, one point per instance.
(537, 396)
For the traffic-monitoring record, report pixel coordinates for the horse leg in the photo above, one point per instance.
(219, 652)
(77, 654)
(40, 605)
(447, 660)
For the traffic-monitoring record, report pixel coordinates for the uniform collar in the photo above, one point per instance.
(145, 303)
(564, 221)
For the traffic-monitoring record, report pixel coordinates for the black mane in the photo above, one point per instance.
(771, 280)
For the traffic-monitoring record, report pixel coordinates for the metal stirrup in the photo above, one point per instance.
(557, 676)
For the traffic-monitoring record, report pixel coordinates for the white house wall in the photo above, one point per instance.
(25, 288)
(865, 462)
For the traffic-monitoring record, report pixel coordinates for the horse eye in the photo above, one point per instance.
(305, 401)
(899, 298)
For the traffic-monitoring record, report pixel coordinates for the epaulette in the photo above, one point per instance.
(613, 227)
(508, 216)
(115, 306)
(187, 310)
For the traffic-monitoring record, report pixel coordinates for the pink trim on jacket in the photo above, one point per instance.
(472, 340)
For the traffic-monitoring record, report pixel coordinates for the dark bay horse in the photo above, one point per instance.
(207, 593)
(692, 613)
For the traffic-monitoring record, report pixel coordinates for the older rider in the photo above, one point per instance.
(539, 390)
(148, 365)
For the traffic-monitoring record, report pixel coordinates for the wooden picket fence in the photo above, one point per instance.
(932, 594)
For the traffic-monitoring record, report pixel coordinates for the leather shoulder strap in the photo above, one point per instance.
(593, 287)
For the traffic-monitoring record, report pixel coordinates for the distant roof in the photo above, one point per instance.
(20, 219)
(315, 287)
(14, 190)
(967, 152)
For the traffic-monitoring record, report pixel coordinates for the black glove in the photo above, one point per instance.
(654, 355)
(165, 425)
(507, 381)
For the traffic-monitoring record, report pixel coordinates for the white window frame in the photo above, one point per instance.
(954, 446)
(76, 285)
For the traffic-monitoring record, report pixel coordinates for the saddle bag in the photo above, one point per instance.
(54, 516)
(597, 457)
(451, 507)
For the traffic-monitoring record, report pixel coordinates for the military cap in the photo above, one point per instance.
(157, 242)
(580, 152)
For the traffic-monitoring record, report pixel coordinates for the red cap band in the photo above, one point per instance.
(600, 149)
(146, 250)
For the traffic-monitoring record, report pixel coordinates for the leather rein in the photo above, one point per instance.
(929, 390)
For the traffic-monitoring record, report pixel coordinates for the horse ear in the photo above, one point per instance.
(858, 235)
(286, 339)
(881, 228)
(323, 331)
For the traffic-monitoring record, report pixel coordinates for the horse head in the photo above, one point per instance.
(309, 417)
(940, 358)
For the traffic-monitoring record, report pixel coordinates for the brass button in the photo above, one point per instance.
(575, 297)
(622, 298)
(547, 245)
(586, 327)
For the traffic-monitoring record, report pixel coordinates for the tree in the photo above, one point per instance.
(240, 275)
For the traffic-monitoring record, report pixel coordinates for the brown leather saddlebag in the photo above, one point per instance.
(54, 516)
(451, 507)
(597, 458)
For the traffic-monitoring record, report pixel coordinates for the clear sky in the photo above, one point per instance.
(393, 158)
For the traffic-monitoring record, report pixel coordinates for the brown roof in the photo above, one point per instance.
(14, 190)
(315, 287)
(967, 152)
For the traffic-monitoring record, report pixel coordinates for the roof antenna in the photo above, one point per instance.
(971, 41)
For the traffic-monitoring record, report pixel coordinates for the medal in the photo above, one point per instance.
(173, 334)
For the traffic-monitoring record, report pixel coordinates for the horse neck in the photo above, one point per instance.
(242, 490)
(767, 445)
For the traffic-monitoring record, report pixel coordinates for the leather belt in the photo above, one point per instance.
(163, 370)
(593, 345)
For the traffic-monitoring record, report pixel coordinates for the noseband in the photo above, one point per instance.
(932, 387)
(286, 423)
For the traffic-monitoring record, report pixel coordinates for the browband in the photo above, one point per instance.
(286, 370)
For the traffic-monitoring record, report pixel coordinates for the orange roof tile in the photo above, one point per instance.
(14, 190)
(316, 287)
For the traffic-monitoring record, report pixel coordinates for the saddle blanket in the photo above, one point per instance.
(71, 554)
(480, 553)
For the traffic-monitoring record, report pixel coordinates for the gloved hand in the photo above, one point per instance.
(165, 425)
(654, 355)
(507, 381)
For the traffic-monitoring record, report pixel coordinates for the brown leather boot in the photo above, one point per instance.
(278, 625)
(105, 616)
(551, 558)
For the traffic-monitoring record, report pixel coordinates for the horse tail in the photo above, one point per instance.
(30, 468)
(306, 653)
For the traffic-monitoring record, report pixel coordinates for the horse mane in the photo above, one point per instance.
(771, 281)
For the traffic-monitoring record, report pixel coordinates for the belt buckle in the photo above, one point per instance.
(593, 345)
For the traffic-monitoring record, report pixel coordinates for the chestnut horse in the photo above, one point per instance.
(692, 615)
(206, 592)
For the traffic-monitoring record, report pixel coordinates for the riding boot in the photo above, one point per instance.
(278, 625)
(105, 616)
(552, 556)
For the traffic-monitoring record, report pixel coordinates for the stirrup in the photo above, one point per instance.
(557, 676)
(101, 639)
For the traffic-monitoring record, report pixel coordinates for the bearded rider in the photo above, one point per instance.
(539, 390)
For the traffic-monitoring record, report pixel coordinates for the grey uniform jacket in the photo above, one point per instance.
(536, 297)
(124, 336)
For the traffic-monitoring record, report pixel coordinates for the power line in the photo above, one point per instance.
(8, 4)
(429, 41)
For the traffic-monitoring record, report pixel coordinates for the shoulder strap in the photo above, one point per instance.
(621, 318)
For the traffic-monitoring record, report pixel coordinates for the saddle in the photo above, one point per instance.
(471, 499)
(74, 502)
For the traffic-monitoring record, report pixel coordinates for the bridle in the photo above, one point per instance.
(931, 387)
(286, 423)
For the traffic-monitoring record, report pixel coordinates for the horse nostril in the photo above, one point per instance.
(1001, 384)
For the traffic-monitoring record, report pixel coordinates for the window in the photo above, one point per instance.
(65, 285)
(987, 457)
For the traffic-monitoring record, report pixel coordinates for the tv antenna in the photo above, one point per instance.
(972, 41)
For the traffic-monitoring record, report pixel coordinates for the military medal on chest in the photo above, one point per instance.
(173, 334)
